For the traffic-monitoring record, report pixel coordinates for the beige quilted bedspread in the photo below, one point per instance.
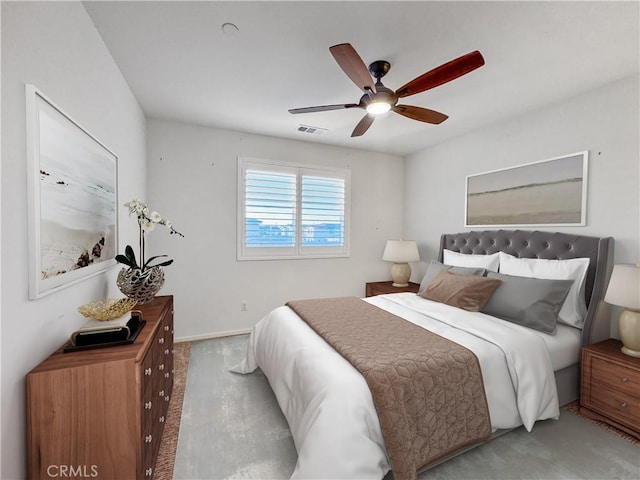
(427, 390)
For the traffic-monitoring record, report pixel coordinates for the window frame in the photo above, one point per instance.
(298, 251)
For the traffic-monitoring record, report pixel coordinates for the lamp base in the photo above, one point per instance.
(629, 330)
(631, 353)
(400, 274)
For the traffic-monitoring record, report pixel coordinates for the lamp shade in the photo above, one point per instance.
(401, 251)
(624, 286)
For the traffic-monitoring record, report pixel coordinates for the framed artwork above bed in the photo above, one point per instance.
(72, 182)
(550, 192)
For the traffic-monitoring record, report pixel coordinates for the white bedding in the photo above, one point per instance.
(328, 404)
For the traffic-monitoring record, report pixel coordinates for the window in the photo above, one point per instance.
(291, 211)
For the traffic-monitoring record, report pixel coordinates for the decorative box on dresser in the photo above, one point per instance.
(382, 288)
(611, 386)
(100, 413)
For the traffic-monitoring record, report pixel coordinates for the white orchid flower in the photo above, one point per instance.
(148, 226)
(147, 223)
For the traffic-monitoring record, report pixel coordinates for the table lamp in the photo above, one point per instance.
(624, 291)
(400, 252)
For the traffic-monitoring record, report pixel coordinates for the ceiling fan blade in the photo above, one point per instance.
(442, 74)
(353, 66)
(363, 125)
(420, 114)
(323, 108)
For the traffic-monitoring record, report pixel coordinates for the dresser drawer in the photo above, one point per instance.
(618, 377)
(610, 389)
(615, 404)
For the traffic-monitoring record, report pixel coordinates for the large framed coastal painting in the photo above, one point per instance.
(72, 199)
(547, 193)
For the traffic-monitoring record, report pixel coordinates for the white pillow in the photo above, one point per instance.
(456, 259)
(574, 309)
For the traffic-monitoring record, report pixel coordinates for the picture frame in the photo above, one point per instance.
(72, 199)
(550, 192)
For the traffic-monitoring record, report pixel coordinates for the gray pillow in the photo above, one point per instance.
(435, 267)
(530, 302)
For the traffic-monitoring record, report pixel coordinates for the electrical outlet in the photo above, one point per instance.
(243, 306)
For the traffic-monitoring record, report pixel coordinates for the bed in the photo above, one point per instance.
(528, 374)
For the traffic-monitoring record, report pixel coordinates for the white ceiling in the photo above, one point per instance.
(181, 66)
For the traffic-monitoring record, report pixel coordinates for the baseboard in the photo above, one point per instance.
(208, 336)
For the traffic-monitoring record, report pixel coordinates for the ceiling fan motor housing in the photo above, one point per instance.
(382, 95)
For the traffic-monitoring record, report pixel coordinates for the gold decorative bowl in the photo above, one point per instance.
(107, 309)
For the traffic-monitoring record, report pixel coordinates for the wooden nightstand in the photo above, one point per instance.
(611, 386)
(382, 288)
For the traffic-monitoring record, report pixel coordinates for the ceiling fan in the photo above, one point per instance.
(379, 99)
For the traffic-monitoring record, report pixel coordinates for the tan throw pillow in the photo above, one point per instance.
(469, 292)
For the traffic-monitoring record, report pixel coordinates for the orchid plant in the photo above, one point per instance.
(147, 222)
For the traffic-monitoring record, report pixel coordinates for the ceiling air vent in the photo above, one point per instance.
(311, 130)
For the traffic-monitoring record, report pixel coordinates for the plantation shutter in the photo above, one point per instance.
(323, 203)
(289, 211)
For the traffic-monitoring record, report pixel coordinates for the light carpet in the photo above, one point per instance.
(232, 428)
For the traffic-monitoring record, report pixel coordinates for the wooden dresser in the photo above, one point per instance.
(611, 386)
(100, 413)
(381, 288)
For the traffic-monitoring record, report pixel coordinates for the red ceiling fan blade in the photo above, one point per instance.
(353, 66)
(363, 125)
(323, 108)
(420, 114)
(442, 74)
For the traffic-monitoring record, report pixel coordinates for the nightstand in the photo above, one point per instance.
(611, 386)
(382, 288)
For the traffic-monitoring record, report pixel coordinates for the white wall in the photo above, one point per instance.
(603, 121)
(54, 46)
(193, 182)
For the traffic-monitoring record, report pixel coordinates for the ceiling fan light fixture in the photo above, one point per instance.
(376, 108)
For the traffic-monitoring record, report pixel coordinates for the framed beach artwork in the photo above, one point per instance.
(72, 199)
(546, 193)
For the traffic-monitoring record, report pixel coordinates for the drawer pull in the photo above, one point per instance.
(147, 371)
(166, 352)
(166, 375)
(161, 393)
(167, 398)
(623, 404)
(161, 340)
(624, 379)
(148, 472)
(161, 367)
(148, 438)
(166, 328)
(161, 419)
(148, 405)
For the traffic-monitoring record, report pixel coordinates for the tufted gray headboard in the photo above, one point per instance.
(552, 246)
